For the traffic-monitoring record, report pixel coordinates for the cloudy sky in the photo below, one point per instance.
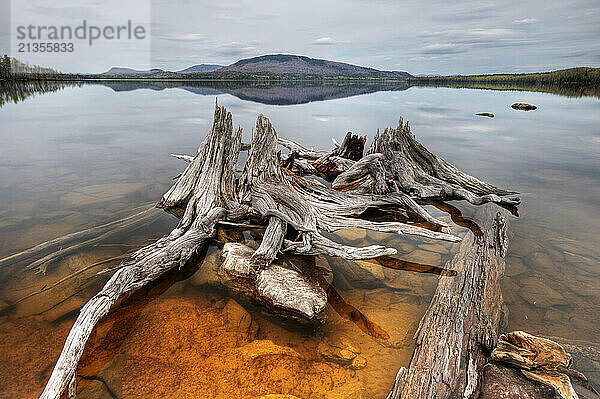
(425, 36)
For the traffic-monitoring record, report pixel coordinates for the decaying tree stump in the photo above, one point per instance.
(459, 329)
(296, 211)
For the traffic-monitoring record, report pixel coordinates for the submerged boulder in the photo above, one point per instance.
(289, 290)
(238, 319)
(286, 292)
(500, 382)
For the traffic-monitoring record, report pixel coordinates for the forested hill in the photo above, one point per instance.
(284, 64)
(564, 77)
(575, 82)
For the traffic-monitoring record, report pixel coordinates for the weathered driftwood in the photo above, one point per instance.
(459, 329)
(295, 211)
(62, 246)
(325, 164)
(422, 174)
(409, 168)
(206, 189)
(539, 359)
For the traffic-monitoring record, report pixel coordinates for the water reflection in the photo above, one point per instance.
(399, 264)
(576, 91)
(280, 93)
(17, 91)
(271, 93)
(88, 156)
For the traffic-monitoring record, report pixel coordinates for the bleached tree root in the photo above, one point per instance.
(126, 279)
(206, 187)
(422, 174)
(295, 210)
(80, 237)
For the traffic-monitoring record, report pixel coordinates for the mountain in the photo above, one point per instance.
(273, 65)
(200, 68)
(297, 65)
(118, 71)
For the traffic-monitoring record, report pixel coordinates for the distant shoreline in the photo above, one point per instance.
(574, 82)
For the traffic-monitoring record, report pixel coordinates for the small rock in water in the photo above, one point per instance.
(585, 288)
(534, 291)
(236, 260)
(378, 236)
(500, 382)
(514, 267)
(541, 262)
(509, 290)
(288, 289)
(359, 273)
(266, 347)
(238, 319)
(488, 114)
(554, 315)
(209, 270)
(437, 248)
(352, 235)
(523, 107)
(424, 257)
(343, 352)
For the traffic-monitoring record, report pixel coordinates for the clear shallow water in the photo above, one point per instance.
(89, 155)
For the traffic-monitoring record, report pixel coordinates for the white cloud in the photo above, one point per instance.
(431, 58)
(442, 48)
(495, 32)
(524, 21)
(476, 33)
(237, 49)
(184, 37)
(325, 41)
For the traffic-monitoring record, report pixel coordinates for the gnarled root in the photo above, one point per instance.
(422, 174)
(295, 211)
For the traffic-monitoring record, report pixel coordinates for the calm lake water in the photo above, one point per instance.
(85, 156)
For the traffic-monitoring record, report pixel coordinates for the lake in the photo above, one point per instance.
(83, 156)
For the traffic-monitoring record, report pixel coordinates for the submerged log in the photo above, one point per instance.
(296, 212)
(459, 329)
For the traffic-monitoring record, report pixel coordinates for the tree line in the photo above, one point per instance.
(576, 82)
(14, 69)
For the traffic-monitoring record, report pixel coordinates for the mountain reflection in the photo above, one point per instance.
(286, 93)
